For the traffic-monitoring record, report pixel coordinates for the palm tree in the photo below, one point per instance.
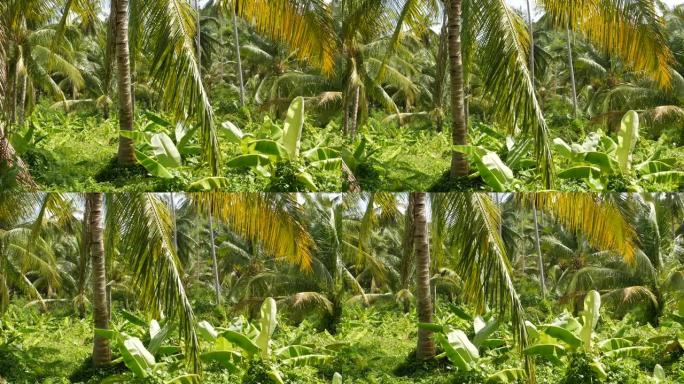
(126, 151)
(426, 344)
(102, 354)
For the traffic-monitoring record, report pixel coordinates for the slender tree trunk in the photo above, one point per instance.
(441, 70)
(175, 222)
(236, 34)
(126, 153)
(540, 259)
(355, 112)
(571, 66)
(217, 282)
(531, 26)
(23, 83)
(426, 345)
(459, 163)
(101, 352)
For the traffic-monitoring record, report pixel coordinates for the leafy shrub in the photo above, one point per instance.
(579, 370)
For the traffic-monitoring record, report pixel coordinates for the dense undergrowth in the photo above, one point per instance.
(373, 345)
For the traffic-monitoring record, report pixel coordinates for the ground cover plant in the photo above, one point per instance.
(94, 93)
(329, 288)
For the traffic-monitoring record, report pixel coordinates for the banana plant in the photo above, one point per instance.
(233, 347)
(566, 334)
(599, 158)
(464, 352)
(156, 151)
(263, 154)
(490, 167)
(141, 359)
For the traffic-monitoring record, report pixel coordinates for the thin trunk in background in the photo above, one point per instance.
(217, 283)
(175, 222)
(239, 57)
(540, 260)
(355, 112)
(459, 162)
(126, 151)
(102, 353)
(531, 26)
(426, 345)
(571, 65)
(441, 71)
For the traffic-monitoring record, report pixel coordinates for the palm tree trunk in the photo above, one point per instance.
(571, 65)
(126, 152)
(23, 83)
(540, 259)
(101, 352)
(217, 283)
(441, 69)
(426, 345)
(459, 163)
(239, 58)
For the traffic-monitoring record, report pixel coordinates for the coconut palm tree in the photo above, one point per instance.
(102, 353)
(426, 345)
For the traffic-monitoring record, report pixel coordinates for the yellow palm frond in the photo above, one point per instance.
(303, 25)
(268, 219)
(595, 216)
(631, 30)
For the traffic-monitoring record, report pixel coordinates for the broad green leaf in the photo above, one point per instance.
(307, 180)
(483, 330)
(549, 351)
(666, 177)
(159, 337)
(603, 161)
(613, 343)
(292, 130)
(274, 375)
(206, 331)
(563, 148)
(627, 138)
(241, 341)
(598, 368)
(459, 339)
(162, 122)
(511, 375)
(227, 359)
(653, 167)
(248, 161)
(590, 317)
(232, 132)
(136, 357)
(329, 164)
(564, 335)
(337, 378)
(165, 150)
(460, 359)
(269, 148)
(580, 172)
(268, 324)
(293, 351)
(152, 166)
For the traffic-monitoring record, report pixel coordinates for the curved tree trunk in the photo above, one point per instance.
(540, 259)
(217, 282)
(459, 133)
(126, 152)
(571, 65)
(426, 345)
(102, 354)
(239, 57)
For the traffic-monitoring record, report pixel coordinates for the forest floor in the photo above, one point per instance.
(55, 348)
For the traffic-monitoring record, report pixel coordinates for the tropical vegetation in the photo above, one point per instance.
(340, 95)
(330, 288)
